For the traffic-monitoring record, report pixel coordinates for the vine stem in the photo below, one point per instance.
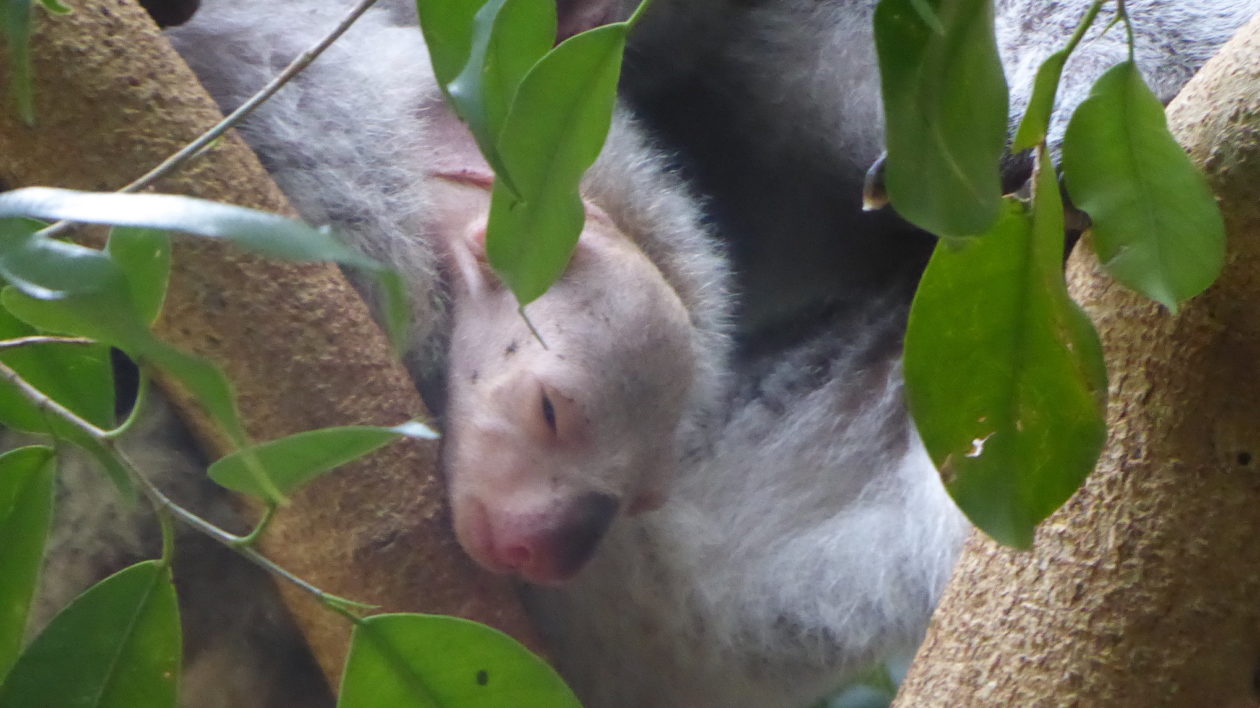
(163, 504)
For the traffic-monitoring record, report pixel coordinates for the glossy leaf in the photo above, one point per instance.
(424, 661)
(945, 112)
(1035, 124)
(47, 268)
(297, 459)
(268, 234)
(448, 29)
(144, 255)
(116, 646)
(110, 317)
(79, 377)
(509, 37)
(555, 131)
(15, 25)
(1004, 373)
(26, 502)
(1156, 226)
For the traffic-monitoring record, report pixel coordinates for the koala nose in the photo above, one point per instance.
(550, 548)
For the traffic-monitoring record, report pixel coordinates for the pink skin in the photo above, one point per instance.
(546, 445)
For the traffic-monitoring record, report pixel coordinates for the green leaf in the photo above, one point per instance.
(945, 111)
(509, 37)
(448, 28)
(1156, 226)
(15, 24)
(1004, 373)
(110, 317)
(116, 646)
(26, 502)
(394, 306)
(267, 234)
(297, 459)
(555, 131)
(1036, 121)
(55, 7)
(46, 268)
(79, 377)
(144, 255)
(422, 661)
(928, 15)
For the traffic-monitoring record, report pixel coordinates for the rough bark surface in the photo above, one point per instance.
(1144, 590)
(113, 99)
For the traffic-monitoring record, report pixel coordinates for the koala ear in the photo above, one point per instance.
(472, 274)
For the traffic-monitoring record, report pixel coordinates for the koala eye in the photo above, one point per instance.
(549, 412)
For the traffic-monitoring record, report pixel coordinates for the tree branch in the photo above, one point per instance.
(1142, 590)
(112, 100)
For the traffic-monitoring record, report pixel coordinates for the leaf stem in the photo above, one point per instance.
(637, 14)
(142, 390)
(1084, 25)
(164, 505)
(252, 537)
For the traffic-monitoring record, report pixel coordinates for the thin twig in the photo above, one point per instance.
(192, 149)
(42, 339)
(160, 501)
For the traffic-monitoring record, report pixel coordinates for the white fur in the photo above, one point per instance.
(812, 539)
(764, 564)
(808, 533)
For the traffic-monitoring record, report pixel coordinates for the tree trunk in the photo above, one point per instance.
(113, 99)
(1144, 590)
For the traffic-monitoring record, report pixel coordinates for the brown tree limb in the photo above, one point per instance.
(1144, 590)
(113, 99)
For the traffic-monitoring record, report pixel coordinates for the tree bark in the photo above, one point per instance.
(1144, 590)
(114, 99)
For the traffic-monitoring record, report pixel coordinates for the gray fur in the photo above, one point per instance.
(774, 108)
(807, 533)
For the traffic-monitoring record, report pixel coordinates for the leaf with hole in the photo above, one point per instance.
(1004, 373)
(428, 661)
